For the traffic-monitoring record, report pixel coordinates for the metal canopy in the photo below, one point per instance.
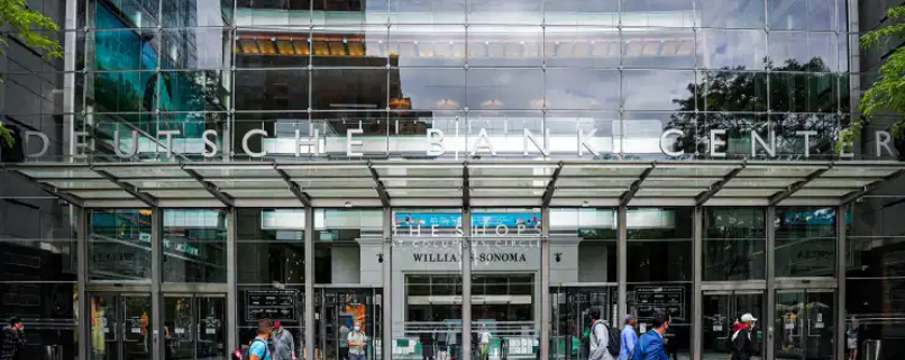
(459, 184)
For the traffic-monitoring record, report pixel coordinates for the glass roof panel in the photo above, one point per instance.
(762, 172)
(591, 192)
(865, 171)
(157, 184)
(839, 183)
(691, 171)
(249, 183)
(510, 170)
(60, 172)
(669, 192)
(760, 183)
(439, 183)
(342, 193)
(112, 194)
(821, 192)
(324, 171)
(747, 192)
(83, 184)
(260, 193)
(595, 182)
(614, 170)
(678, 182)
(509, 183)
(237, 172)
(444, 193)
(507, 192)
(442, 171)
(367, 183)
(180, 194)
(145, 172)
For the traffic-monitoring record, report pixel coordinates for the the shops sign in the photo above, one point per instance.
(585, 142)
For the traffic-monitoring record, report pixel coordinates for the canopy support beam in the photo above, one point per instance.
(210, 188)
(127, 187)
(636, 186)
(381, 189)
(466, 188)
(715, 188)
(792, 189)
(294, 188)
(551, 187)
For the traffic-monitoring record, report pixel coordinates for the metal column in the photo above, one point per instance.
(466, 283)
(386, 344)
(84, 303)
(621, 264)
(232, 293)
(841, 237)
(697, 329)
(309, 283)
(157, 334)
(545, 284)
(771, 281)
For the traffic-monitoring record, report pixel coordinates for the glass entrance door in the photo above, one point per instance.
(721, 311)
(569, 318)
(338, 310)
(120, 326)
(194, 326)
(804, 323)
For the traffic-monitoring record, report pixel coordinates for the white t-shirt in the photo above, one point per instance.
(485, 337)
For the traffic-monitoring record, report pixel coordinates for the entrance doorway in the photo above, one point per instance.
(569, 316)
(195, 326)
(337, 311)
(120, 326)
(721, 310)
(804, 324)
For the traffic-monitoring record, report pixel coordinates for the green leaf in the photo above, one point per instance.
(7, 136)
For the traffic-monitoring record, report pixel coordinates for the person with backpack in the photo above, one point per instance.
(605, 343)
(741, 339)
(650, 345)
(259, 349)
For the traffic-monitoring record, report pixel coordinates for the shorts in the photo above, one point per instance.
(852, 344)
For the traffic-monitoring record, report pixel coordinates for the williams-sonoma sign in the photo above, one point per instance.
(494, 257)
(435, 143)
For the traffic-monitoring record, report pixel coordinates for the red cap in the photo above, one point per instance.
(277, 324)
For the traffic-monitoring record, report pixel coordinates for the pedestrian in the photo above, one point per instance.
(343, 343)
(283, 343)
(13, 337)
(599, 337)
(851, 334)
(356, 340)
(629, 337)
(259, 349)
(741, 339)
(650, 345)
(484, 335)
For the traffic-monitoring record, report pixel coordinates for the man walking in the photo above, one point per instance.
(259, 350)
(741, 339)
(650, 345)
(13, 337)
(356, 341)
(600, 337)
(283, 343)
(343, 344)
(629, 337)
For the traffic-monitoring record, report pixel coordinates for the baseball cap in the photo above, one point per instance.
(629, 317)
(277, 324)
(748, 317)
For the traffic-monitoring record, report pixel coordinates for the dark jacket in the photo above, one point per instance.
(650, 347)
(12, 343)
(742, 346)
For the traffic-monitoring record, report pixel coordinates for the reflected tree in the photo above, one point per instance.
(804, 97)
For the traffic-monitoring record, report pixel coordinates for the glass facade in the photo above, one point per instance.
(462, 178)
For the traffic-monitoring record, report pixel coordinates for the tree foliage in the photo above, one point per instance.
(32, 28)
(887, 93)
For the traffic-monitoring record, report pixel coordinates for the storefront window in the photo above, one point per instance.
(734, 244)
(805, 241)
(119, 245)
(194, 246)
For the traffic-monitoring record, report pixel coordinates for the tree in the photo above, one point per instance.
(887, 94)
(35, 30)
(735, 100)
